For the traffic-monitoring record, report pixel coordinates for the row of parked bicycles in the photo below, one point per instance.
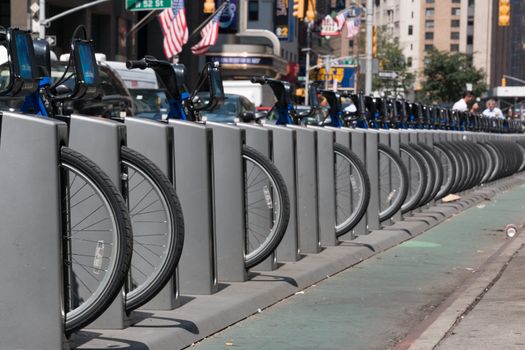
(129, 236)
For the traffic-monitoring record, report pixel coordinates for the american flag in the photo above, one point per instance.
(174, 27)
(340, 19)
(209, 35)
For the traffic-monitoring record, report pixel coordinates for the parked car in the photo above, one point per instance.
(235, 108)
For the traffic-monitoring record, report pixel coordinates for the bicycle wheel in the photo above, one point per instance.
(449, 169)
(352, 189)
(417, 177)
(267, 206)
(97, 242)
(393, 182)
(430, 171)
(158, 228)
(438, 171)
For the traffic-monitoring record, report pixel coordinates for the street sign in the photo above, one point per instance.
(147, 5)
(52, 40)
(388, 74)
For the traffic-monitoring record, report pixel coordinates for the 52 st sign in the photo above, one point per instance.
(145, 5)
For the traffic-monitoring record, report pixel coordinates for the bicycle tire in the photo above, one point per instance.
(449, 169)
(438, 171)
(357, 167)
(157, 209)
(72, 162)
(273, 195)
(417, 165)
(431, 173)
(399, 194)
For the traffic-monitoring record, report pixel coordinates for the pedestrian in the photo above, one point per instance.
(463, 103)
(492, 111)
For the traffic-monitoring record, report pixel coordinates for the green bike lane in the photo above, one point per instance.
(374, 304)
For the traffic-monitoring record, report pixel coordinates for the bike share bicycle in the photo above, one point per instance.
(393, 177)
(154, 210)
(105, 233)
(352, 185)
(462, 162)
(265, 193)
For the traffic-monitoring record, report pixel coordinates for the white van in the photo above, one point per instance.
(149, 100)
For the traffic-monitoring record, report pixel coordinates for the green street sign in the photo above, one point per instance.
(147, 5)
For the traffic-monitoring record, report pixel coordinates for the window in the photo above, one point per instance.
(429, 11)
(412, 14)
(429, 23)
(456, 1)
(429, 35)
(410, 29)
(253, 10)
(409, 61)
(456, 11)
(351, 43)
(428, 47)
(411, 47)
(454, 47)
(454, 23)
(470, 40)
(454, 35)
(429, 1)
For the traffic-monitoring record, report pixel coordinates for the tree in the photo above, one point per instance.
(446, 74)
(390, 58)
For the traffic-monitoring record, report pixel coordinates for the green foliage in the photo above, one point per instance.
(446, 74)
(390, 57)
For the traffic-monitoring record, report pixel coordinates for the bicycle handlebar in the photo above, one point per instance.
(137, 64)
(258, 80)
(146, 62)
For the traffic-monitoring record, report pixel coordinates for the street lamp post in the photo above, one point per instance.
(369, 34)
(307, 50)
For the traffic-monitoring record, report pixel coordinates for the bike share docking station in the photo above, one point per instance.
(154, 140)
(193, 156)
(284, 158)
(260, 139)
(101, 140)
(30, 212)
(363, 143)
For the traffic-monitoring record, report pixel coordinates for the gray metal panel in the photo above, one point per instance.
(228, 180)
(192, 145)
(100, 140)
(261, 139)
(358, 146)
(394, 145)
(31, 272)
(326, 186)
(372, 213)
(283, 148)
(307, 210)
(154, 140)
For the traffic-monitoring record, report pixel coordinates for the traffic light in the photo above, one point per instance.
(374, 41)
(209, 6)
(310, 12)
(298, 8)
(504, 13)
